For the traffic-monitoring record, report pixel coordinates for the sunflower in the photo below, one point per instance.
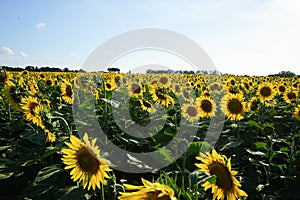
(51, 137)
(110, 85)
(160, 96)
(206, 106)
(297, 112)
(233, 106)
(290, 96)
(49, 82)
(265, 91)
(11, 95)
(281, 88)
(32, 108)
(215, 88)
(176, 89)
(164, 81)
(147, 191)
(5, 76)
(190, 112)
(226, 186)
(85, 161)
(146, 105)
(135, 89)
(253, 104)
(67, 92)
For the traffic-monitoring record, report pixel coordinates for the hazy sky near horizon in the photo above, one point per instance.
(253, 37)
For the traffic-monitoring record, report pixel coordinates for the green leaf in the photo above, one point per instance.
(87, 104)
(197, 177)
(195, 147)
(47, 172)
(253, 123)
(4, 147)
(212, 179)
(231, 144)
(5, 175)
(50, 152)
(261, 145)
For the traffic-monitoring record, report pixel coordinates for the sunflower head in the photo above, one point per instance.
(297, 112)
(190, 112)
(233, 106)
(226, 185)
(85, 161)
(146, 105)
(265, 91)
(32, 109)
(67, 92)
(148, 191)
(135, 89)
(206, 106)
(290, 96)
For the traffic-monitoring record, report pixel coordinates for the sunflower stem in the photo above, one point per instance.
(102, 192)
(65, 123)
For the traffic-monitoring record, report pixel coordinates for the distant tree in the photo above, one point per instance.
(66, 69)
(29, 68)
(113, 69)
(286, 74)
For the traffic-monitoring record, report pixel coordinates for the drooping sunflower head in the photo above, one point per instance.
(190, 112)
(85, 161)
(253, 104)
(50, 137)
(297, 112)
(4, 76)
(146, 105)
(206, 106)
(265, 91)
(12, 94)
(147, 191)
(226, 186)
(233, 106)
(67, 92)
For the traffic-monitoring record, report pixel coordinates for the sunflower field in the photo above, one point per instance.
(67, 135)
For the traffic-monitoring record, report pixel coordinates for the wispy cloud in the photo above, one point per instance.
(6, 51)
(23, 54)
(40, 25)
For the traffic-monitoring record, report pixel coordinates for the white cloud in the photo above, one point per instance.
(6, 51)
(23, 54)
(40, 25)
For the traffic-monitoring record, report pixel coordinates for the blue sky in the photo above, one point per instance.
(254, 37)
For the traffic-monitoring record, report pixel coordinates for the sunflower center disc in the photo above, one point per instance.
(163, 80)
(235, 106)
(206, 106)
(32, 107)
(69, 91)
(291, 95)
(192, 111)
(265, 91)
(87, 161)
(224, 180)
(281, 88)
